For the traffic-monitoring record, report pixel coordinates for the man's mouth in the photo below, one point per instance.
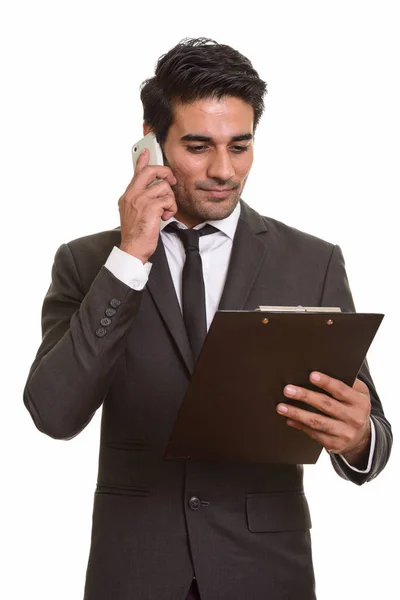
(218, 192)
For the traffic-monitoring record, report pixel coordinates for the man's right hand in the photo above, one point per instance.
(141, 207)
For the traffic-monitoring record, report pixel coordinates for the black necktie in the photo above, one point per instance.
(193, 295)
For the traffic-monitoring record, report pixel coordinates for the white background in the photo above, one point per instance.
(327, 161)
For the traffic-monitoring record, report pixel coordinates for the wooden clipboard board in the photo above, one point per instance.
(229, 410)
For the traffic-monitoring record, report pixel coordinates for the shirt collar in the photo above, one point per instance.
(227, 226)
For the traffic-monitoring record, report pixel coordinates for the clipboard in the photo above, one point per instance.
(229, 410)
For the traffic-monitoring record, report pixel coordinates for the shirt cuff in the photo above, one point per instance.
(128, 269)
(371, 452)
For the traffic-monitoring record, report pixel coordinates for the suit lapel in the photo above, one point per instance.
(248, 253)
(161, 288)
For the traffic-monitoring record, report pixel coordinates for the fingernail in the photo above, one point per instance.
(282, 408)
(315, 376)
(289, 389)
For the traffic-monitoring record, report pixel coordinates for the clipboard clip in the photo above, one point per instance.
(299, 309)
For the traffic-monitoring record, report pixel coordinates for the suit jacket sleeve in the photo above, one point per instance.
(336, 292)
(73, 368)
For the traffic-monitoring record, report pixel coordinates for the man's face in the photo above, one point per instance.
(209, 148)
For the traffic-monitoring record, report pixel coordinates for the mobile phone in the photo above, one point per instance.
(149, 141)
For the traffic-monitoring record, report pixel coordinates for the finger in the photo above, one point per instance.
(338, 389)
(148, 173)
(310, 419)
(167, 214)
(158, 190)
(142, 161)
(324, 403)
(169, 206)
(167, 203)
(159, 197)
(361, 387)
(331, 443)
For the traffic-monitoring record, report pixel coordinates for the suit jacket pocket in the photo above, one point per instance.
(122, 490)
(277, 511)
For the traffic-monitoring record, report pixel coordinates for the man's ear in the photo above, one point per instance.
(146, 128)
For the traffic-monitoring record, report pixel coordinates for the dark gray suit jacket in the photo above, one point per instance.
(248, 537)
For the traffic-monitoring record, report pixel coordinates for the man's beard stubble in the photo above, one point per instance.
(205, 207)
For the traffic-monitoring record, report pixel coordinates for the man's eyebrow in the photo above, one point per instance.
(191, 137)
(244, 137)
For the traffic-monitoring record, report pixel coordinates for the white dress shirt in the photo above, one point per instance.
(215, 251)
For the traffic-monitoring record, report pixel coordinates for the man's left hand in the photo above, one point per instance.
(346, 430)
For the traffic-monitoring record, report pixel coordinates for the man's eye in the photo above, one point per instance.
(196, 149)
(203, 148)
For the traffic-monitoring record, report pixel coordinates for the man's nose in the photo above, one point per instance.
(220, 166)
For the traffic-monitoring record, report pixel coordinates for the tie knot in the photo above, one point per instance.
(190, 237)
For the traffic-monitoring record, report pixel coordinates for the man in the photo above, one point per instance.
(115, 335)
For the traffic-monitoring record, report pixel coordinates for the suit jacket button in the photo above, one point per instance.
(114, 303)
(194, 503)
(105, 322)
(110, 312)
(101, 332)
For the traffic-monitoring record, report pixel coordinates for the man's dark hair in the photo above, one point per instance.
(194, 69)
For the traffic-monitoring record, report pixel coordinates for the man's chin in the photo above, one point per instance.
(215, 209)
(206, 208)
